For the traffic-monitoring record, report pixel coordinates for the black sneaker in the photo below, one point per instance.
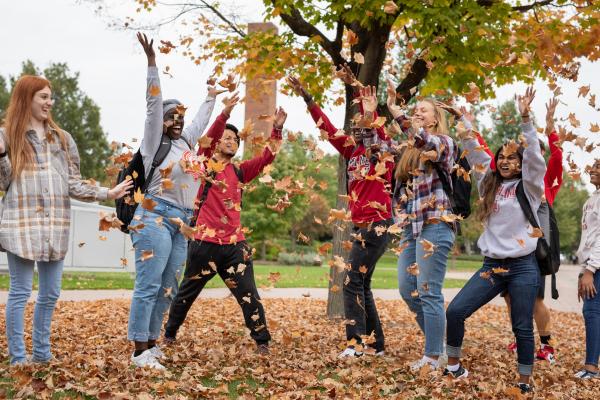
(525, 388)
(461, 373)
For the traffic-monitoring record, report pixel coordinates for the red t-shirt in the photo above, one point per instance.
(219, 217)
(370, 197)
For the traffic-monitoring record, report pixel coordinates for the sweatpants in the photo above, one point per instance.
(233, 263)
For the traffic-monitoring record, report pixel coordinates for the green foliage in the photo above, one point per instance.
(73, 111)
(568, 207)
(295, 162)
(309, 258)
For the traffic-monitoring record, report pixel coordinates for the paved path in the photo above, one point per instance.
(566, 282)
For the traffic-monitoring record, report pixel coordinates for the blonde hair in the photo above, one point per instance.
(410, 157)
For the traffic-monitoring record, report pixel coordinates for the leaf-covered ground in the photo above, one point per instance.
(214, 357)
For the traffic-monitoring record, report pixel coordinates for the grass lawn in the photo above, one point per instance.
(385, 277)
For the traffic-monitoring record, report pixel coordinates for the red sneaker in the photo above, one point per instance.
(512, 347)
(546, 352)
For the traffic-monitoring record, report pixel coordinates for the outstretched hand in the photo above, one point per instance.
(368, 97)
(550, 109)
(395, 109)
(296, 86)
(447, 107)
(121, 189)
(214, 92)
(347, 76)
(230, 103)
(280, 117)
(524, 102)
(148, 49)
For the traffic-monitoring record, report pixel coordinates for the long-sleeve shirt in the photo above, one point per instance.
(219, 216)
(35, 212)
(426, 197)
(554, 173)
(589, 246)
(507, 231)
(185, 182)
(368, 185)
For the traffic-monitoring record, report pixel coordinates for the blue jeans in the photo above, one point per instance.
(156, 277)
(522, 281)
(591, 315)
(21, 280)
(429, 304)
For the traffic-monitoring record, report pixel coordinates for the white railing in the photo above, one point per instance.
(87, 252)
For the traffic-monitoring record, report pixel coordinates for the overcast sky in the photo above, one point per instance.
(112, 69)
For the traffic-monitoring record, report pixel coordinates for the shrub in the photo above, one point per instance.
(308, 258)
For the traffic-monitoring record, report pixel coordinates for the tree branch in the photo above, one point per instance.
(418, 72)
(301, 27)
(523, 8)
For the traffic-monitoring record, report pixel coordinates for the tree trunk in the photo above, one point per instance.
(373, 48)
(263, 250)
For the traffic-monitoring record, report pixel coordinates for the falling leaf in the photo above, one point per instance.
(500, 270)
(472, 96)
(363, 269)
(149, 204)
(324, 248)
(146, 255)
(108, 222)
(154, 90)
(335, 288)
(583, 91)
(536, 233)
(359, 58)
(390, 7)
(413, 269)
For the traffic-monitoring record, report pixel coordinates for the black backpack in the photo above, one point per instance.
(125, 206)
(207, 185)
(459, 192)
(547, 252)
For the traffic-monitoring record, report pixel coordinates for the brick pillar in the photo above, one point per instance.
(261, 96)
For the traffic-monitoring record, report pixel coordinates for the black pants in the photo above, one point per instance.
(234, 265)
(359, 304)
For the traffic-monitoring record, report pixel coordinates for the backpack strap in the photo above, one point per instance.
(161, 153)
(447, 189)
(526, 207)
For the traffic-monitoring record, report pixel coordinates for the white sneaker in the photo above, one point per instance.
(146, 359)
(157, 352)
(350, 352)
(417, 365)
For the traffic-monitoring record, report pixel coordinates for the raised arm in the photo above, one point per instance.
(339, 140)
(193, 131)
(251, 168)
(554, 174)
(534, 165)
(153, 128)
(215, 132)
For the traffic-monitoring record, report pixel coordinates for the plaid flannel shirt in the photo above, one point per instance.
(426, 193)
(35, 212)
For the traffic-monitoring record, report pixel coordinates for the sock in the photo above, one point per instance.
(545, 340)
(138, 352)
(453, 368)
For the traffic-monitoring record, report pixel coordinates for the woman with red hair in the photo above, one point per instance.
(39, 172)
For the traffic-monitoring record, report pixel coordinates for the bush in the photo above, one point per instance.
(309, 258)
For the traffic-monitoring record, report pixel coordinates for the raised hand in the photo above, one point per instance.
(395, 109)
(296, 86)
(280, 117)
(368, 97)
(148, 49)
(524, 102)
(447, 107)
(550, 109)
(214, 92)
(347, 76)
(230, 103)
(121, 189)
(468, 115)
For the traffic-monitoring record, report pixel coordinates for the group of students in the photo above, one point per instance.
(39, 171)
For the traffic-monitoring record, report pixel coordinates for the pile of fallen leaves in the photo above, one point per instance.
(214, 357)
